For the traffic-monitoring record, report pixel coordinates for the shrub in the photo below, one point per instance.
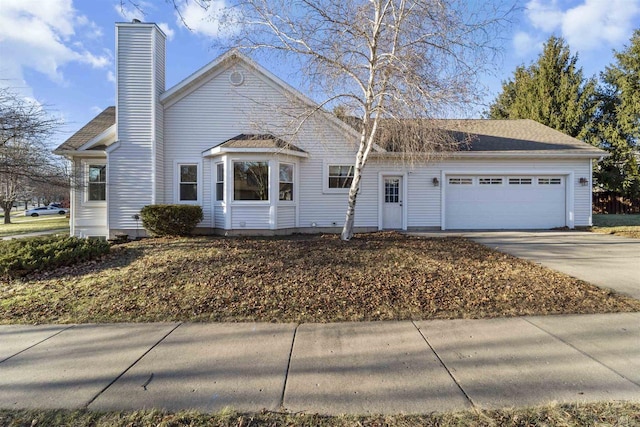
(171, 220)
(19, 257)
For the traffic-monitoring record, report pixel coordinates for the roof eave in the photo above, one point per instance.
(84, 153)
(219, 151)
(578, 154)
(106, 137)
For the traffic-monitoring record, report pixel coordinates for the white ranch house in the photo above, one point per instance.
(209, 140)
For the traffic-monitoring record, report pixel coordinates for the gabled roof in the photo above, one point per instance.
(95, 127)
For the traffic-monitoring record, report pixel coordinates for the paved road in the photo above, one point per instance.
(378, 367)
(601, 259)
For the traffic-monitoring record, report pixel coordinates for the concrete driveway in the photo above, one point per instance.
(601, 259)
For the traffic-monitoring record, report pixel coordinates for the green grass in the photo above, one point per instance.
(616, 220)
(622, 414)
(381, 276)
(619, 225)
(27, 224)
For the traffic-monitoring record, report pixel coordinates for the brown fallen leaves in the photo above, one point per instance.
(382, 276)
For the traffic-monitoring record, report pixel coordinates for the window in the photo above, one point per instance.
(520, 181)
(286, 182)
(392, 190)
(97, 188)
(219, 182)
(490, 181)
(188, 183)
(549, 181)
(250, 180)
(340, 176)
(462, 181)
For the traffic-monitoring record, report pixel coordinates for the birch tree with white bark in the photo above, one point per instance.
(390, 63)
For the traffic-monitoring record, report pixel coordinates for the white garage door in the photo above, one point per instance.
(504, 202)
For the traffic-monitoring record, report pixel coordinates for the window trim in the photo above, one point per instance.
(217, 181)
(294, 195)
(232, 193)
(176, 181)
(86, 166)
(326, 176)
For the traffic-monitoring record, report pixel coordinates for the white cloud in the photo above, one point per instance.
(524, 44)
(208, 19)
(166, 29)
(111, 77)
(589, 25)
(42, 36)
(544, 16)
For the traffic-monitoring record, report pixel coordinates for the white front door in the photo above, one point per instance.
(392, 203)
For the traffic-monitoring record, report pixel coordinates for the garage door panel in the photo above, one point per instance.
(505, 205)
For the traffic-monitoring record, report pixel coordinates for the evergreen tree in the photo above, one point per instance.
(551, 91)
(617, 123)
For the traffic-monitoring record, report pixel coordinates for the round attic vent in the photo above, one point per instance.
(236, 78)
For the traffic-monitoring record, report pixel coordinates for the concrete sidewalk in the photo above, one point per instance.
(361, 368)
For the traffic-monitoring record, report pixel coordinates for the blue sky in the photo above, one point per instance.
(61, 52)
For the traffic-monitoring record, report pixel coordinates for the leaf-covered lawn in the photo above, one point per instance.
(380, 276)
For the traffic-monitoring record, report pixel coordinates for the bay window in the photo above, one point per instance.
(251, 180)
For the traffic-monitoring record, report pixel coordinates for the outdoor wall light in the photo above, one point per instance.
(583, 181)
(436, 182)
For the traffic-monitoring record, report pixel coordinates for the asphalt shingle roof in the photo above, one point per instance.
(258, 141)
(511, 135)
(95, 127)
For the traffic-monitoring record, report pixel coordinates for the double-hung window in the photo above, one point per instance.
(219, 182)
(286, 182)
(188, 182)
(97, 183)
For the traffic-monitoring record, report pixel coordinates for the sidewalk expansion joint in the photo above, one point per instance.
(131, 366)
(464, 393)
(286, 374)
(39, 342)
(581, 352)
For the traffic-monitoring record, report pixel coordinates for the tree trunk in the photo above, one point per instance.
(6, 209)
(347, 230)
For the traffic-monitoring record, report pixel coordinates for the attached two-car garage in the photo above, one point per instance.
(505, 202)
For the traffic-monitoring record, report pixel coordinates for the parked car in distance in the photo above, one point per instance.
(45, 210)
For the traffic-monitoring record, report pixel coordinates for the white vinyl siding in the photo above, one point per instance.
(217, 111)
(89, 219)
(250, 217)
(139, 81)
(286, 217)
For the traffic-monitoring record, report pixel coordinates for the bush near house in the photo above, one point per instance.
(22, 256)
(171, 220)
